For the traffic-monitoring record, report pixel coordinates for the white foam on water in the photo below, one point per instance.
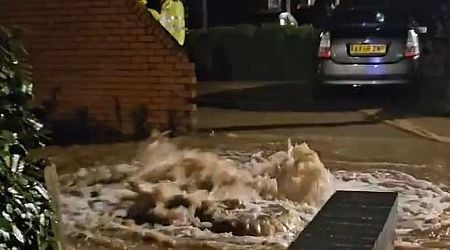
(424, 208)
(302, 185)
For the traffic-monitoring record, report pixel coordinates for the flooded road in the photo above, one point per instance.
(423, 210)
(357, 147)
(361, 153)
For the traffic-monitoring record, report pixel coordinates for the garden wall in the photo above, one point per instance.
(108, 58)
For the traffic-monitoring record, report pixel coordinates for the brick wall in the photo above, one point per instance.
(107, 55)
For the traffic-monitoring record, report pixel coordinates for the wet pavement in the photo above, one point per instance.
(252, 119)
(344, 131)
(353, 130)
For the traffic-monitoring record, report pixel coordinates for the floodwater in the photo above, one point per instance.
(244, 188)
(240, 199)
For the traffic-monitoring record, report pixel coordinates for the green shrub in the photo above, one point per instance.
(298, 46)
(218, 40)
(239, 52)
(246, 30)
(25, 220)
(196, 47)
(267, 44)
(246, 52)
(435, 97)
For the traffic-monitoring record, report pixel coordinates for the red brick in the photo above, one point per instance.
(136, 31)
(100, 3)
(162, 73)
(112, 39)
(173, 59)
(188, 73)
(130, 38)
(160, 52)
(103, 10)
(145, 38)
(155, 59)
(165, 81)
(155, 45)
(162, 66)
(139, 60)
(128, 24)
(137, 45)
(97, 50)
(187, 66)
(187, 80)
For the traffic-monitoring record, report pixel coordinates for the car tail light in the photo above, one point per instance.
(412, 45)
(325, 46)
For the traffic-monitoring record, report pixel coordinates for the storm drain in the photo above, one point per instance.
(354, 221)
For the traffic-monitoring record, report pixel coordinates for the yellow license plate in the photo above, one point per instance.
(367, 49)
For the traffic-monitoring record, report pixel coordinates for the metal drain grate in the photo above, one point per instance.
(352, 220)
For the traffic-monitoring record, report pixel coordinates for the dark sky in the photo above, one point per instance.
(232, 12)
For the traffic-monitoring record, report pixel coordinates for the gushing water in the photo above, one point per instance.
(256, 199)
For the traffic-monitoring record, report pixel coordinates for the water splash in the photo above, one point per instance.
(190, 195)
(190, 187)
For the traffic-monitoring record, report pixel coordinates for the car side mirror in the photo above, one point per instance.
(421, 30)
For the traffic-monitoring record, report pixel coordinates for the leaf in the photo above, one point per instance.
(5, 235)
(42, 191)
(18, 234)
(9, 208)
(6, 216)
(6, 158)
(8, 136)
(15, 163)
(31, 207)
(42, 220)
(5, 51)
(36, 125)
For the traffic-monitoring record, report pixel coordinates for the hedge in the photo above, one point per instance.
(435, 96)
(247, 52)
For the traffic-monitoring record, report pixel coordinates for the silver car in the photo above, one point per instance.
(361, 47)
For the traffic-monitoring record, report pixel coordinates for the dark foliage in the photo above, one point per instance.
(26, 214)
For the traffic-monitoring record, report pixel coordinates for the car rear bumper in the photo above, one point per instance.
(402, 72)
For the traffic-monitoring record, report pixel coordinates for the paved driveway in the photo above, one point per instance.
(353, 129)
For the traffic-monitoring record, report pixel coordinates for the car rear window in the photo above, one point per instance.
(369, 18)
(381, 21)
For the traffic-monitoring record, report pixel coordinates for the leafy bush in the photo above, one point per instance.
(219, 40)
(245, 52)
(196, 45)
(25, 220)
(435, 96)
(240, 52)
(299, 53)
